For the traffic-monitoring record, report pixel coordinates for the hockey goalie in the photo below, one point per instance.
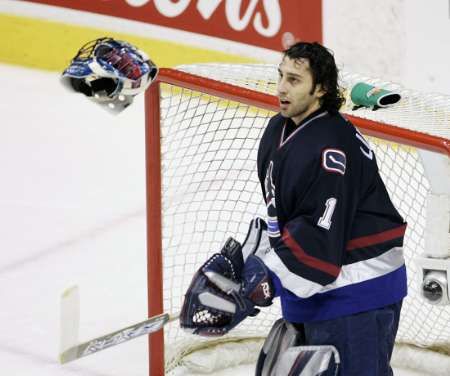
(332, 247)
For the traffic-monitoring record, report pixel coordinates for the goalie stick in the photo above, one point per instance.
(71, 350)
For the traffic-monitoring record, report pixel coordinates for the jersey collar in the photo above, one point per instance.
(305, 122)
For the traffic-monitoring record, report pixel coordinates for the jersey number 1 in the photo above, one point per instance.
(325, 219)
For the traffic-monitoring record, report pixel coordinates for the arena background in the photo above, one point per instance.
(399, 40)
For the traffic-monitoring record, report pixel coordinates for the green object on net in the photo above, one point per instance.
(366, 95)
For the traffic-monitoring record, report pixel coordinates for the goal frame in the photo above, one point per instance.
(153, 172)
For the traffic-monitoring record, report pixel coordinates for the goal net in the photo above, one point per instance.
(203, 126)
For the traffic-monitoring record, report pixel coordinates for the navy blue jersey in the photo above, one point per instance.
(336, 237)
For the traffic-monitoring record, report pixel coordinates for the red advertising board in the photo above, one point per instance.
(271, 24)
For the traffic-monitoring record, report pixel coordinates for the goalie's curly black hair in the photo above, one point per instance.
(324, 72)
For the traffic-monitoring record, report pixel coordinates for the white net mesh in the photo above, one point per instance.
(211, 190)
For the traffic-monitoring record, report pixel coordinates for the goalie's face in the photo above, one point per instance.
(298, 95)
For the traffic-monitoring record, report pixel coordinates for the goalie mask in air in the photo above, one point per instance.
(110, 72)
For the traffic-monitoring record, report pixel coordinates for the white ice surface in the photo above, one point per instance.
(72, 211)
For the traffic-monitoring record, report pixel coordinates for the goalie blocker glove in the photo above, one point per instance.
(227, 289)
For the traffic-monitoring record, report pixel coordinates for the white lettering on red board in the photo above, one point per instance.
(206, 8)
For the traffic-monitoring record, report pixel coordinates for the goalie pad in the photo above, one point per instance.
(284, 353)
(225, 290)
(309, 361)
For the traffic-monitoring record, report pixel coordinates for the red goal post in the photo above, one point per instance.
(177, 83)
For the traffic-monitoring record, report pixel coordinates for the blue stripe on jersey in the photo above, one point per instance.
(273, 230)
(359, 297)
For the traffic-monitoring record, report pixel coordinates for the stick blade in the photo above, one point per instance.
(69, 355)
(69, 319)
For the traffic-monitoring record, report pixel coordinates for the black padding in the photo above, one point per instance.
(389, 99)
(108, 85)
(80, 86)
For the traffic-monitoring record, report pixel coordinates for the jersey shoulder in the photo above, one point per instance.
(335, 131)
(334, 128)
(330, 131)
(330, 145)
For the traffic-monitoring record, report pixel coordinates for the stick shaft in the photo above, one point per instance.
(148, 326)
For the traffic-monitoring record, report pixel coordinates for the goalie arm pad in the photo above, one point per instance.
(240, 263)
(226, 289)
(215, 304)
(256, 282)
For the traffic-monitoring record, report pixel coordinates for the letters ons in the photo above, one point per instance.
(206, 8)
